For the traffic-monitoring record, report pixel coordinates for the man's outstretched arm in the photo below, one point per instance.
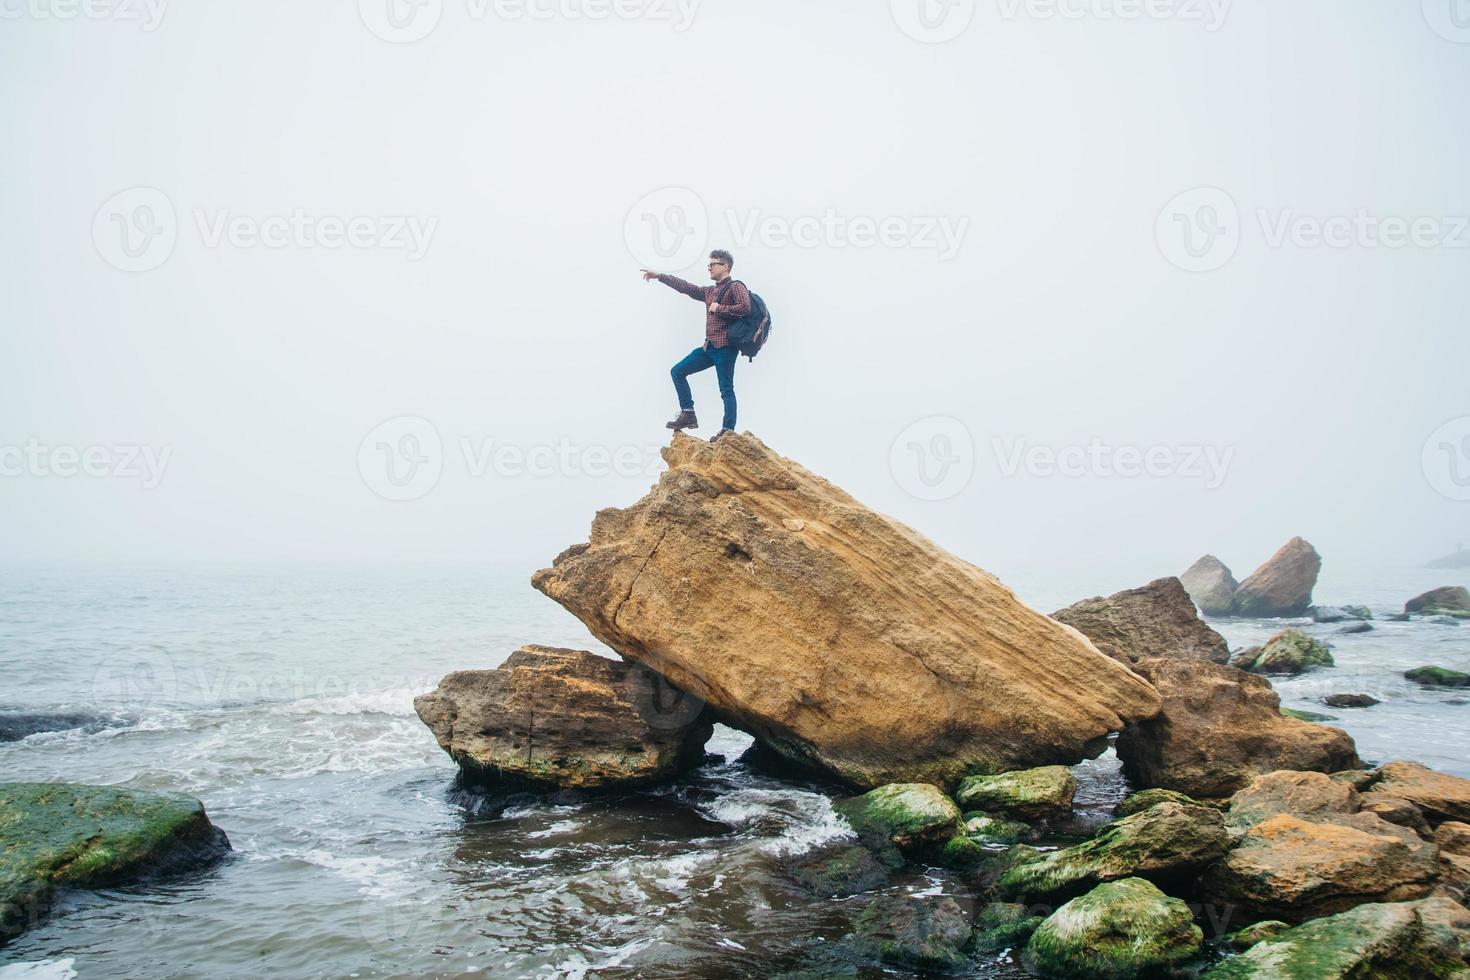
(674, 282)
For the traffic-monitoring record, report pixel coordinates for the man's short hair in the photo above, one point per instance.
(720, 255)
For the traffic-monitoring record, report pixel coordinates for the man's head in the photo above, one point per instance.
(720, 264)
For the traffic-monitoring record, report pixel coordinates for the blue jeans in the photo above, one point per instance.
(722, 359)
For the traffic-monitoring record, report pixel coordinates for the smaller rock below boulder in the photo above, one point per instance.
(1438, 796)
(1350, 701)
(1157, 620)
(1244, 939)
(1339, 614)
(916, 818)
(1117, 931)
(1289, 652)
(1283, 585)
(1397, 810)
(987, 828)
(1211, 586)
(1004, 925)
(1143, 799)
(1437, 677)
(919, 933)
(1309, 795)
(1449, 600)
(1453, 837)
(1029, 795)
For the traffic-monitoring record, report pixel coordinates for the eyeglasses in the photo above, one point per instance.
(713, 264)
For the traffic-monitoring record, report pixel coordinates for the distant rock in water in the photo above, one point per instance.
(1438, 677)
(1350, 701)
(847, 642)
(1211, 586)
(549, 717)
(1157, 620)
(1356, 628)
(60, 835)
(1448, 600)
(1460, 559)
(1289, 652)
(16, 725)
(1339, 614)
(1283, 585)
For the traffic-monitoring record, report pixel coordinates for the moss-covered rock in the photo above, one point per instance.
(1004, 925)
(986, 828)
(914, 817)
(1030, 794)
(1449, 600)
(1123, 929)
(61, 835)
(962, 853)
(1289, 652)
(1167, 841)
(1438, 677)
(1423, 940)
(920, 933)
(1143, 799)
(1243, 939)
(1312, 716)
(843, 869)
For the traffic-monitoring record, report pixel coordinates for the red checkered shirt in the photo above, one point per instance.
(734, 306)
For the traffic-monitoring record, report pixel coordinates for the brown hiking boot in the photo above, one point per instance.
(684, 420)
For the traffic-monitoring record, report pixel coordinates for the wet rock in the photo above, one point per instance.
(1004, 925)
(1356, 628)
(1166, 842)
(839, 870)
(1211, 586)
(963, 853)
(1157, 620)
(1028, 795)
(1402, 941)
(1308, 795)
(16, 725)
(853, 647)
(1350, 701)
(914, 817)
(56, 836)
(1219, 729)
(1400, 618)
(1289, 652)
(920, 933)
(1294, 869)
(1301, 715)
(1437, 677)
(1283, 585)
(1339, 614)
(1397, 810)
(1449, 600)
(1453, 837)
(1438, 796)
(1123, 929)
(1142, 800)
(1244, 939)
(987, 828)
(549, 717)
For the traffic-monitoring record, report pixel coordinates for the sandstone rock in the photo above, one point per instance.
(855, 646)
(1421, 940)
(1453, 837)
(1449, 600)
(1166, 842)
(549, 717)
(1157, 620)
(1028, 795)
(56, 836)
(1117, 931)
(1438, 796)
(1308, 795)
(1295, 869)
(1339, 614)
(1358, 779)
(921, 933)
(1397, 810)
(914, 817)
(1143, 799)
(1211, 586)
(1289, 652)
(1437, 677)
(1350, 701)
(1283, 586)
(1219, 729)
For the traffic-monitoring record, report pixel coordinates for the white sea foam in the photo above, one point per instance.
(40, 970)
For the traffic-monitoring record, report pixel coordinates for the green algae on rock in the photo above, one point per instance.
(1289, 652)
(1449, 600)
(1143, 799)
(914, 817)
(1004, 925)
(1118, 931)
(1437, 677)
(1027, 794)
(987, 828)
(62, 835)
(922, 933)
(1244, 939)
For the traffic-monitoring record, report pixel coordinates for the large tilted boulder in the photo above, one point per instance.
(1283, 585)
(1449, 600)
(845, 641)
(1219, 729)
(549, 717)
(55, 836)
(1423, 940)
(1157, 620)
(1118, 931)
(1211, 586)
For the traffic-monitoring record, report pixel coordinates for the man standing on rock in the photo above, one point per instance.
(725, 302)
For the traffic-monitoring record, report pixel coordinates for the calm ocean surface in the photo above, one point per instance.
(282, 697)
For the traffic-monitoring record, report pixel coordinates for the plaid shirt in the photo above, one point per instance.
(735, 306)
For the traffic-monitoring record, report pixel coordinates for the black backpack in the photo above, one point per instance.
(750, 333)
